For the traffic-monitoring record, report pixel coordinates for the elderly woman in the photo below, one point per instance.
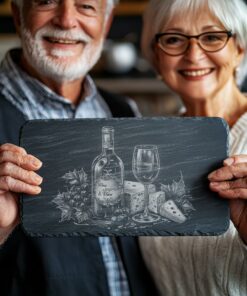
(199, 50)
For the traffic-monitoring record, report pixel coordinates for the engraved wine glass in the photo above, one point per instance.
(145, 167)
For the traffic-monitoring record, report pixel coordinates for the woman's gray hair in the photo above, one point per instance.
(109, 7)
(232, 14)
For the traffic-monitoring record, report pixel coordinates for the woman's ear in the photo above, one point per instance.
(16, 16)
(240, 52)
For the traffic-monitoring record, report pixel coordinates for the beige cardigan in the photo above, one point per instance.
(201, 266)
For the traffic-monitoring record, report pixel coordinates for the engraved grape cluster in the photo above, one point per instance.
(74, 202)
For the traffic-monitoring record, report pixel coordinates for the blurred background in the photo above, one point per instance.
(121, 68)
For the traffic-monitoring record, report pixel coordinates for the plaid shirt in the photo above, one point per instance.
(36, 101)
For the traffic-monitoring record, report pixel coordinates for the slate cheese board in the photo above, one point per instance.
(125, 177)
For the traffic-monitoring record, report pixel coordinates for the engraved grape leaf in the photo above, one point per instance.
(62, 200)
(81, 216)
(76, 177)
(59, 199)
(66, 213)
(187, 206)
(179, 194)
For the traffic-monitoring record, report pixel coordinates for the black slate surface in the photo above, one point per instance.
(189, 149)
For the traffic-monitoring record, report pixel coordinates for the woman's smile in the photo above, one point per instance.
(195, 74)
(198, 74)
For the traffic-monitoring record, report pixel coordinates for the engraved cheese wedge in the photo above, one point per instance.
(170, 211)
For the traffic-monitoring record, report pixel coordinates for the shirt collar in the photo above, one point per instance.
(10, 65)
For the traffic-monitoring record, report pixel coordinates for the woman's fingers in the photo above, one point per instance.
(235, 159)
(240, 193)
(229, 172)
(228, 185)
(233, 189)
(230, 181)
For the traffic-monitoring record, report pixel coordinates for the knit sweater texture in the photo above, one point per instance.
(201, 266)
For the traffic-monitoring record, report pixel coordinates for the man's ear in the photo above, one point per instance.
(16, 16)
(108, 23)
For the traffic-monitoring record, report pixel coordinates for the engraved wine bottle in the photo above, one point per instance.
(107, 178)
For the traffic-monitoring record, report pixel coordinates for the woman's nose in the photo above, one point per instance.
(65, 16)
(194, 51)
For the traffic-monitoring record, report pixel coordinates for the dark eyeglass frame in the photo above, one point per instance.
(159, 35)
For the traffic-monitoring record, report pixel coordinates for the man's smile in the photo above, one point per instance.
(62, 40)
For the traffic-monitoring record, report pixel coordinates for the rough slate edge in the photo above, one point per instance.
(106, 233)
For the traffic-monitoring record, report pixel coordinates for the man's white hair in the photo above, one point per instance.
(110, 5)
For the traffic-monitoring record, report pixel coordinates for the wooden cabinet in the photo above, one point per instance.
(131, 7)
(5, 7)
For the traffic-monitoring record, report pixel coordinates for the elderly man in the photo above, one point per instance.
(47, 78)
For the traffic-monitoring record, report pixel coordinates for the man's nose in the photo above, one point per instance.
(194, 51)
(65, 16)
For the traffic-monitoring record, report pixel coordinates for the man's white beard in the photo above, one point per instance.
(55, 66)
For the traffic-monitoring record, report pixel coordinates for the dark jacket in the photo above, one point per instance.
(63, 266)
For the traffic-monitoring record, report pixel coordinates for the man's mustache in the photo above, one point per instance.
(78, 36)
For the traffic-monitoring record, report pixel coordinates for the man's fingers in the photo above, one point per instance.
(16, 172)
(13, 148)
(229, 172)
(23, 160)
(9, 210)
(8, 183)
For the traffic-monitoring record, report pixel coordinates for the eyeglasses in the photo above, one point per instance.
(175, 44)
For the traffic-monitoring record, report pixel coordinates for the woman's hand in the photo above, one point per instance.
(16, 176)
(230, 182)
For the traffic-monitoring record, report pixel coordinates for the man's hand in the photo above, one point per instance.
(16, 176)
(230, 182)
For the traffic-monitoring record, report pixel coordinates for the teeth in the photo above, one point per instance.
(62, 41)
(196, 73)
